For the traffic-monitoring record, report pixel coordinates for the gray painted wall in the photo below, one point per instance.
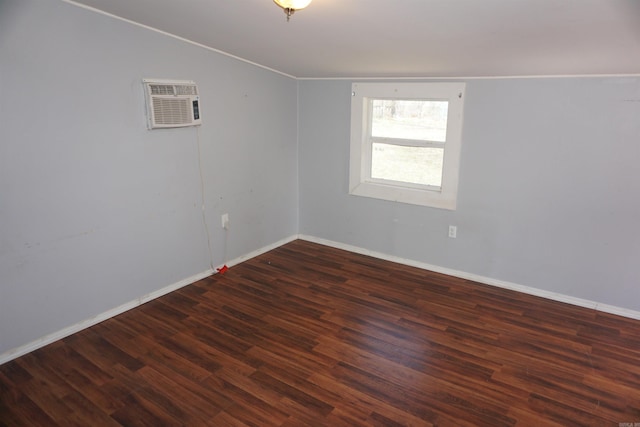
(548, 194)
(95, 210)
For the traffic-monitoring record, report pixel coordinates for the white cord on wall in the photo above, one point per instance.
(204, 212)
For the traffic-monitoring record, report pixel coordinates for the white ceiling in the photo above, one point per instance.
(407, 38)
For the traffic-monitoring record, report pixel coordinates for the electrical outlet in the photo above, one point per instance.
(453, 231)
(225, 221)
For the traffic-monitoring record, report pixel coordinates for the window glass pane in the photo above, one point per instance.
(415, 165)
(418, 120)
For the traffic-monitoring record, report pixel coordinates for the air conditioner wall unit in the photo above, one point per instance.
(171, 103)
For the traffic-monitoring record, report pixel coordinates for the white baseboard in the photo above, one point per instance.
(70, 330)
(262, 250)
(605, 308)
(48, 339)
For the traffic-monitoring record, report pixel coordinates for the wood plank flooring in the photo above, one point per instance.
(307, 335)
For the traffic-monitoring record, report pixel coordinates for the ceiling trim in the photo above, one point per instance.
(533, 76)
(182, 39)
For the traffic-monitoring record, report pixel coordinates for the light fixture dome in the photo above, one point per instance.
(290, 6)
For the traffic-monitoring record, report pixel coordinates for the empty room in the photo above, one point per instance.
(319, 213)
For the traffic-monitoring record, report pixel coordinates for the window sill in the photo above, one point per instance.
(413, 196)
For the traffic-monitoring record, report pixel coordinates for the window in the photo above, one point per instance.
(405, 142)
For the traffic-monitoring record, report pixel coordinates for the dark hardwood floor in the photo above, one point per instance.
(310, 335)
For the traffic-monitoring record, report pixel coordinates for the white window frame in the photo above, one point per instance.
(360, 181)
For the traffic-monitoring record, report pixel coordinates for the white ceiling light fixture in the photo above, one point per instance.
(290, 6)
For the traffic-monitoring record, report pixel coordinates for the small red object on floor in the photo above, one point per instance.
(222, 269)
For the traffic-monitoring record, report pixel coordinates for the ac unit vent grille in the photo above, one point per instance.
(171, 111)
(186, 90)
(173, 89)
(161, 90)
